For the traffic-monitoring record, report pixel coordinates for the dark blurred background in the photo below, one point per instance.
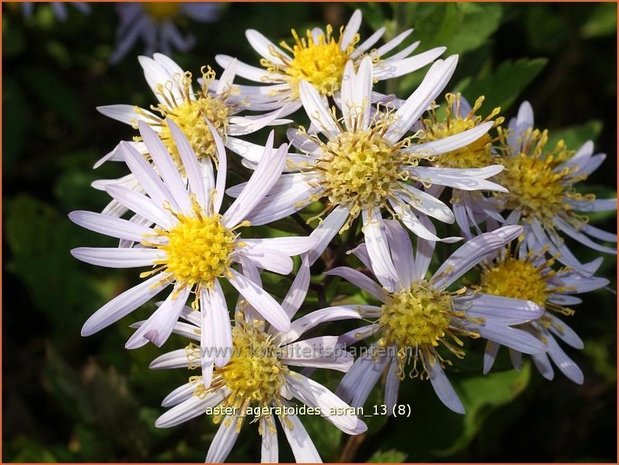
(68, 398)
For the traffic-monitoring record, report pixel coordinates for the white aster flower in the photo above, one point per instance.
(258, 379)
(530, 276)
(190, 109)
(367, 165)
(59, 9)
(191, 246)
(471, 208)
(421, 323)
(319, 58)
(542, 194)
(194, 112)
(155, 24)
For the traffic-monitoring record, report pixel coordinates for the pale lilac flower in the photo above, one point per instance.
(419, 315)
(154, 23)
(194, 111)
(471, 208)
(59, 9)
(542, 194)
(319, 58)
(191, 246)
(530, 276)
(259, 374)
(366, 165)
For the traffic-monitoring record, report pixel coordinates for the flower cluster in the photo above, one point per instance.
(381, 172)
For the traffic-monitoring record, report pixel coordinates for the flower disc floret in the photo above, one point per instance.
(254, 373)
(515, 278)
(319, 60)
(360, 170)
(415, 317)
(198, 250)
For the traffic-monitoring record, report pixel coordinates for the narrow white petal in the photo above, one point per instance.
(140, 204)
(326, 231)
(300, 442)
(360, 280)
(471, 253)
(353, 25)
(501, 310)
(258, 186)
(443, 388)
(317, 109)
(113, 257)
(298, 289)
(269, 259)
(450, 143)
(490, 353)
(165, 166)
(160, 324)
(216, 329)
(265, 47)
(269, 449)
(378, 249)
(124, 304)
(223, 441)
(261, 301)
(312, 393)
(110, 226)
(193, 170)
(309, 321)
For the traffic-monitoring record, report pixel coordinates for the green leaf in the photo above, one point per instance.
(575, 136)
(602, 22)
(388, 456)
(482, 394)
(503, 85)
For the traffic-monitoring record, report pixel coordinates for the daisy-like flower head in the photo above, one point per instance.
(258, 381)
(59, 9)
(421, 324)
(192, 110)
(155, 24)
(529, 275)
(365, 164)
(319, 58)
(470, 208)
(191, 245)
(542, 195)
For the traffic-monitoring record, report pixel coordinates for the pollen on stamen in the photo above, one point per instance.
(191, 114)
(416, 322)
(477, 154)
(319, 60)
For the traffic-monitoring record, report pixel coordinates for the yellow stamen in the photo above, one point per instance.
(475, 155)
(320, 62)
(198, 250)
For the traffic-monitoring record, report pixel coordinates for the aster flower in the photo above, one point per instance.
(191, 246)
(59, 9)
(530, 276)
(319, 58)
(421, 323)
(259, 380)
(194, 112)
(542, 193)
(471, 208)
(367, 165)
(155, 24)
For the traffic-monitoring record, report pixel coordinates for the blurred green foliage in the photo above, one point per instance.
(72, 399)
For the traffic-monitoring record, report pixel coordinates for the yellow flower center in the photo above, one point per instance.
(198, 250)
(417, 316)
(360, 170)
(536, 187)
(190, 114)
(160, 11)
(254, 373)
(191, 117)
(321, 63)
(515, 278)
(475, 155)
